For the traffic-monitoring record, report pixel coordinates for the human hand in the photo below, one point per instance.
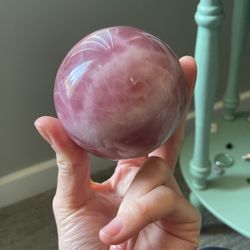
(139, 207)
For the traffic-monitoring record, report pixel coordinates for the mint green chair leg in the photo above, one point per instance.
(208, 17)
(240, 24)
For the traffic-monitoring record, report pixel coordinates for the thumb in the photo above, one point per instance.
(73, 164)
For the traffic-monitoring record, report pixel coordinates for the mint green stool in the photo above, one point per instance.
(212, 163)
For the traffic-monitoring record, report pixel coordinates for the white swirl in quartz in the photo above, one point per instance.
(100, 40)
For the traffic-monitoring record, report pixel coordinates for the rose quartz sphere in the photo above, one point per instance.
(120, 93)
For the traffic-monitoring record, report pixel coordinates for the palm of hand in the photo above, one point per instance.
(80, 227)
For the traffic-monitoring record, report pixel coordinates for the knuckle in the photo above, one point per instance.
(55, 204)
(62, 162)
(59, 210)
(64, 165)
(140, 210)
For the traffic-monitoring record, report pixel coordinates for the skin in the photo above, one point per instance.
(139, 207)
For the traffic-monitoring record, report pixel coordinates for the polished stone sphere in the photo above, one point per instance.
(120, 92)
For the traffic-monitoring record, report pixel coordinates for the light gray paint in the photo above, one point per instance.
(35, 36)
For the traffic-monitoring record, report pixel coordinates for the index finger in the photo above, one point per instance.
(73, 163)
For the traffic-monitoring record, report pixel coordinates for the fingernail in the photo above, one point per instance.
(112, 229)
(43, 132)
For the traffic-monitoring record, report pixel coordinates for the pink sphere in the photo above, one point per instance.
(120, 92)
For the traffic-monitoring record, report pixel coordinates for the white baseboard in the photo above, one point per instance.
(37, 179)
(41, 177)
(27, 182)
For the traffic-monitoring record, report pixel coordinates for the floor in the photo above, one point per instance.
(30, 225)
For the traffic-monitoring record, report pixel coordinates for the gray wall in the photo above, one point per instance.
(35, 36)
